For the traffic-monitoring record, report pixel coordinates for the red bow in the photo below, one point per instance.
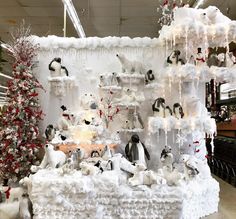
(66, 115)
(8, 192)
(200, 59)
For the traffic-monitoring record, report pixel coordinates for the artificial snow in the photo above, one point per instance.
(103, 197)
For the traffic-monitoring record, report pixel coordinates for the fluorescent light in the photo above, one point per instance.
(198, 3)
(1, 93)
(5, 76)
(4, 87)
(5, 46)
(74, 17)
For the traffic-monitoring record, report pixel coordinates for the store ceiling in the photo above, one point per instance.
(99, 17)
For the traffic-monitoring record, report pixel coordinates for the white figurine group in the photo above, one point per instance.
(161, 110)
(209, 16)
(108, 161)
(108, 80)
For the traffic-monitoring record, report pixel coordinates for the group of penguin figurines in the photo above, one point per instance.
(160, 109)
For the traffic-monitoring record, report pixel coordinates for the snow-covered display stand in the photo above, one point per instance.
(153, 88)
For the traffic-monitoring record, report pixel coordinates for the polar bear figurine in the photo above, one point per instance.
(130, 67)
(88, 101)
(172, 178)
(215, 16)
(142, 176)
(88, 169)
(52, 158)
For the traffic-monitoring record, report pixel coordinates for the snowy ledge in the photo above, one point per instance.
(216, 35)
(131, 130)
(189, 72)
(102, 197)
(200, 26)
(54, 42)
(187, 125)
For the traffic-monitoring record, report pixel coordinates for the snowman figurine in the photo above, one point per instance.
(200, 58)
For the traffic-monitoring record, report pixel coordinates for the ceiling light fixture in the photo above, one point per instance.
(198, 3)
(5, 76)
(2, 93)
(5, 46)
(4, 87)
(74, 17)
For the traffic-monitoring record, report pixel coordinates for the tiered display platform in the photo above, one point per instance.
(76, 196)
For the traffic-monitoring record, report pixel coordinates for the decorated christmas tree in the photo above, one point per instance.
(19, 139)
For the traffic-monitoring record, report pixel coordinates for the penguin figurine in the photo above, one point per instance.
(114, 80)
(178, 111)
(25, 207)
(158, 107)
(64, 71)
(174, 58)
(95, 153)
(109, 165)
(136, 151)
(191, 169)
(56, 68)
(149, 76)
(168, 111)
(50, 132)
(98, 165)
(63, 137)
(106, 153)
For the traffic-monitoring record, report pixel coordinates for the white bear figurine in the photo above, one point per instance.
(215, 16)
(172, 178)
(52, 158)
(88, 169)
(103, 80)
(88, 101)
(145, 177)
(130, 67)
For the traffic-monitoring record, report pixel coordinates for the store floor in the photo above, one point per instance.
(227, 206)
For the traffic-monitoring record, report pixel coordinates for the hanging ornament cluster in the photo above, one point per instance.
(167, 8)
(19, 123)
